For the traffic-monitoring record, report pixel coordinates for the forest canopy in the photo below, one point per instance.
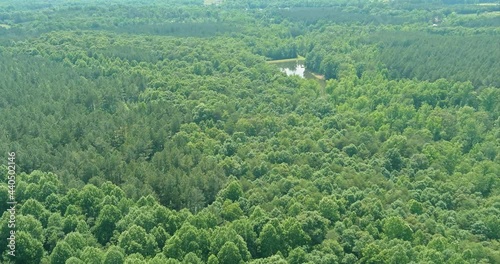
(165, 131)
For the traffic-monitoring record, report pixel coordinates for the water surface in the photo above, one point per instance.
(297, 68)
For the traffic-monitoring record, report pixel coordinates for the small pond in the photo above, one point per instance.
(292, 68)
(297, 68)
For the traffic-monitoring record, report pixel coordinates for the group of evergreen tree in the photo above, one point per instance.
(143, 138)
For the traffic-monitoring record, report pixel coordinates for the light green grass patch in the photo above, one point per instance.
(299, 58)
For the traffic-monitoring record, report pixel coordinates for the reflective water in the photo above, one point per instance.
(292, 68)
(298, 68)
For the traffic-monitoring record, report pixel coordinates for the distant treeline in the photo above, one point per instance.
(311, 15)
(189, 29)
(430, 57)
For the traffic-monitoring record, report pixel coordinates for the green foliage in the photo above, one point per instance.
(221, 236)
(89, 199)
(136, 240)
(213, 260)
(395, 227)
(314, 225)
(92, 255)
(445, 50)
(4, 196)
(231, 211)
(29, 249)
(106, 222)
(74, 260)
(270, 241)
(229, 254)
(61, 253)
(160, 258)
(114, 256)
(187, 239)
(233, 191)
(160, 132)
(293, 234)
(191, 258)
(297, 256)
(329, 209)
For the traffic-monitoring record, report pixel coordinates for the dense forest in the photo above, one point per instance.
(158, 132)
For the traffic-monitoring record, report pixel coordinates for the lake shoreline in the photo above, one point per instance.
(290, 66)
(318, 76)
(299, 58)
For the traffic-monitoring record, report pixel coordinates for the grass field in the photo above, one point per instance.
(299, 58)
(5, 26)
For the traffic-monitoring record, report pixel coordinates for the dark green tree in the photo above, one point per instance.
(106, 223)
(395, 227)
(229, 254)
(61, 253)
